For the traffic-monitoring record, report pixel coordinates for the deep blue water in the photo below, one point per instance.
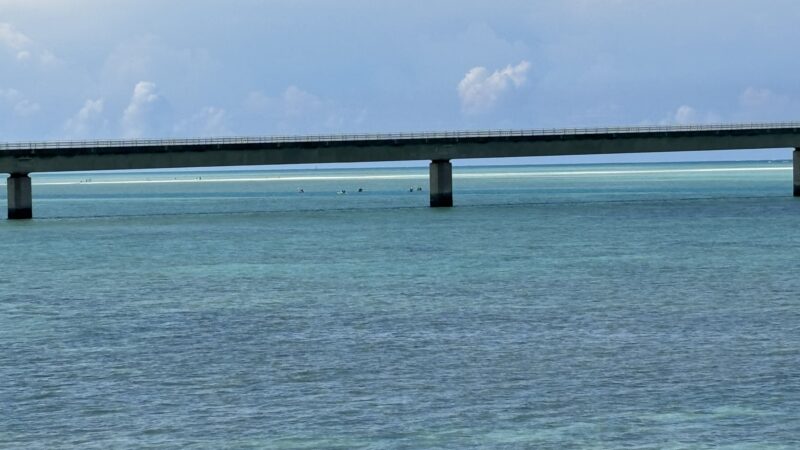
(636, 306)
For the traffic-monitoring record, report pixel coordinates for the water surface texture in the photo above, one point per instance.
(625, 306)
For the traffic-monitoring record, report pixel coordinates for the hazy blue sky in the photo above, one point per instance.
(145, 68)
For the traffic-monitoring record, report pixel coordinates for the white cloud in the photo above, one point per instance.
(20, 105)
(88, 120)
(297, 102)
(685, 115)
(760, 98)
(479, 91)
(688, 115)
(755, 97)
(298, 111)
(763, 105)
(9, 94)
(13, 39)
(146, 114)
(210, 121)
(47, 58)
(26, 108)
(257, 101)
(293, 103)
(24, 48)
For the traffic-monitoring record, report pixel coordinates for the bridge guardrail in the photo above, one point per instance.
(362, 137)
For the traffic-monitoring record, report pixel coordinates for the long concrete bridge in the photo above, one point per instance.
(19, 160)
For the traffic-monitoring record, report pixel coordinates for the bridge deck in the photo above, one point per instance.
(27, 157)
(21, 159)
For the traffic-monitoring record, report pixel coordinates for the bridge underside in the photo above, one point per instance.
(20, 194)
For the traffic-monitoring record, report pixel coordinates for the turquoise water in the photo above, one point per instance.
(619, 306)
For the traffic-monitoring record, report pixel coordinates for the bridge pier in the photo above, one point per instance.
(796, 172)
(441, 184)
(20, 196)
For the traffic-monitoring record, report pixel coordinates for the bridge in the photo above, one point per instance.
(19, 160)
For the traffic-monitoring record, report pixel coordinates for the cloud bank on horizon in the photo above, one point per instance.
(96, 69)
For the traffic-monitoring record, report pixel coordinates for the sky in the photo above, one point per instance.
(91, 69)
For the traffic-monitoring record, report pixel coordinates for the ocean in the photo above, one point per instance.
(647, 306)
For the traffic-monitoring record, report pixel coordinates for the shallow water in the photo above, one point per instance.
(551, 308)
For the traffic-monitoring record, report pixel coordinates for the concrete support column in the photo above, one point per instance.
(796, 172)
(20, 197)
(441, 184)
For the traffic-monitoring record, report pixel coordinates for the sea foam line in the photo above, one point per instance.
(617, 172)
(419, 176)
(239, 180)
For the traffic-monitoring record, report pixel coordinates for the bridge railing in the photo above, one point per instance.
(363, 137)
